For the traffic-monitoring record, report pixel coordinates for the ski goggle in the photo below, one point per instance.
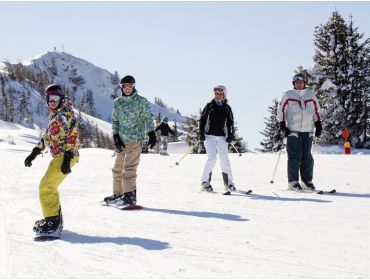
(298, 78)
(127, 85)
(53, 98)
(218, 89)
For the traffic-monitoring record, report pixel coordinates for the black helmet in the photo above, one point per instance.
(127, 80)
(299, 77)
(54, 89)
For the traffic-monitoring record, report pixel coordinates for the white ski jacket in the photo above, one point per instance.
(299, 109)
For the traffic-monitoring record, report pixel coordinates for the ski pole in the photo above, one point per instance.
(236, 150)
(188, 152)
(273, 176)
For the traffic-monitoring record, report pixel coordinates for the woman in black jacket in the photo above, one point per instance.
(217, 131)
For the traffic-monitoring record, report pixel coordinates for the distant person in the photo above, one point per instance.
(298, 115)
(164, 129)
(62, 138)
(216, 129)
(131, 120)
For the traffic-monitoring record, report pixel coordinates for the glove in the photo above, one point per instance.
(318, 129)
(230, 138)
(284, 131)
(66, 164)
(152, 139)
(202, 137)
(118, 143)
(35, 152)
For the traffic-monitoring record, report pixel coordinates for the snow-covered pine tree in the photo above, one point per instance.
(7, 107)
(273, 140)
(343, 86)
(192, 133)
(24, 113)
(359, 73)
(115, 78)
(238, 142)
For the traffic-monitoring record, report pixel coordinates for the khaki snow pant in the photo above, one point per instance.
(48, 190)
(124, 170)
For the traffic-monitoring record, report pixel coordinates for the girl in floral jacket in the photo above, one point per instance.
(62, 138)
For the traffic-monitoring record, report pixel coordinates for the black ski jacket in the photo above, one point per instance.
(164, 128)
(217, 119)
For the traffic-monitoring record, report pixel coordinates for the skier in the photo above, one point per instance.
(164, 129)
(216, 129)
(62, 138)
(298, 114)
(131, 119)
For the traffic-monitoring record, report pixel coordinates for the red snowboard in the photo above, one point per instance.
(132, 207)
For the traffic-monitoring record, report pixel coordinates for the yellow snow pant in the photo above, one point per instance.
(48, 191)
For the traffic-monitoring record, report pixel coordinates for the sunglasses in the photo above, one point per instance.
(54, 98)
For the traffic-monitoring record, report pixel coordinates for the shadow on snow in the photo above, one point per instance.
(148, 244)
(292, 199)
(229, 217)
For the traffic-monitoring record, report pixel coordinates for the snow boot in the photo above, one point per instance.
(294, 186)
(49, 225)
(112, 198)
(126, 199)
(308, 185)
(206, 187)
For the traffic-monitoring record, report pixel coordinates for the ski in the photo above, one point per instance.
(326, 192)
(315, 191)
(238, 192)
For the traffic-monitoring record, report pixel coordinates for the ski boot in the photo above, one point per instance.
(112, 198)
(206, 187)
(294, 186)
(126, 199)
(308, 185)
(230, 187)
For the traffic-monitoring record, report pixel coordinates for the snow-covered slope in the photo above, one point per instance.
(75, 74)
(181, 232)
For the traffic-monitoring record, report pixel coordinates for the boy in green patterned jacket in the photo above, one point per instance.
(131, 120)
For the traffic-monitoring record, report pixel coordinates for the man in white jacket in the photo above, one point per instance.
(298, 116)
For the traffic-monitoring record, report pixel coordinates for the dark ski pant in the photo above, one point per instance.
(300, 159)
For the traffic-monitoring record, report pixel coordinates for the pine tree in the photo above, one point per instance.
(115, 79)
(23, 109)
(358, 72)
(343, 86)
(238, 142)
(272, 141)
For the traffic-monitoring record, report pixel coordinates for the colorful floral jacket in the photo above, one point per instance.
(62, 132)
(132, 118)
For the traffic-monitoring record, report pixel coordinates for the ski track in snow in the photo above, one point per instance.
(181, 233)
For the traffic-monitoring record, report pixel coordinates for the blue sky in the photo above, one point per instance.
(179, 51)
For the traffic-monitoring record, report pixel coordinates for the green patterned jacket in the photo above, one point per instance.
(132, 118)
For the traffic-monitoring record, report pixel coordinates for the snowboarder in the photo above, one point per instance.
(131, 119)
(216, 129)
(298, 114)
(164, 129)
(62, 138)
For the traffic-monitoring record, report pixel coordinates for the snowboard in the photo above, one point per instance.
(129, 207)
(48, 236)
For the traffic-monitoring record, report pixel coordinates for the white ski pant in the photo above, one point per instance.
(214, 145)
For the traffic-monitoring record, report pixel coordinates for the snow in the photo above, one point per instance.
(181, 232)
